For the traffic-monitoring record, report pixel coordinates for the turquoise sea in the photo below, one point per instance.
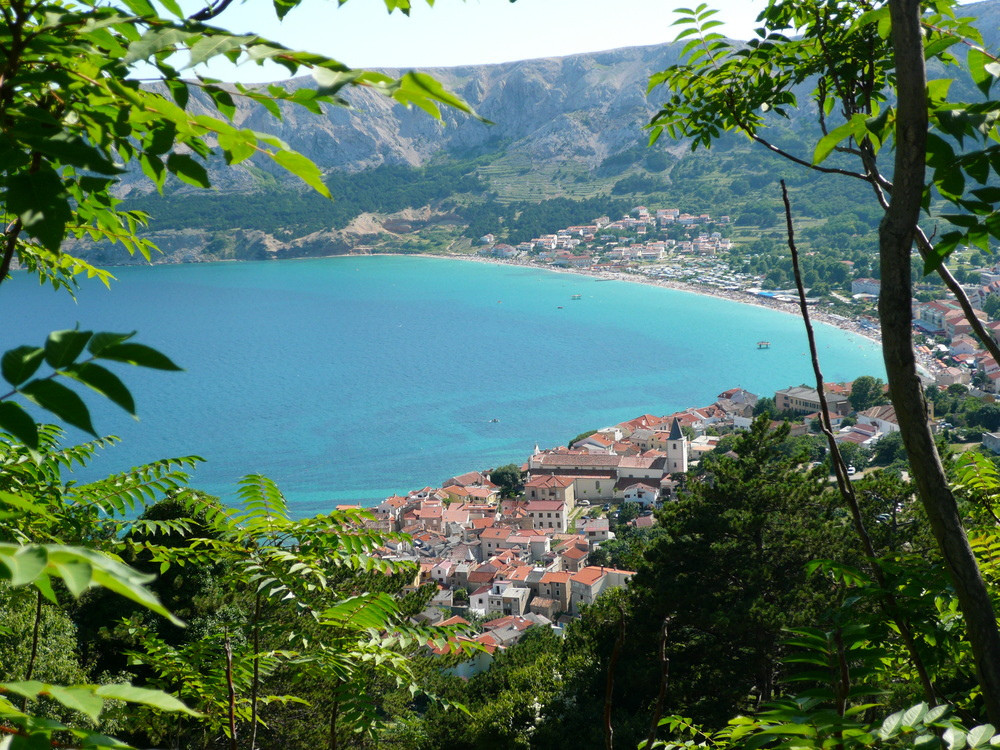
(351, 378)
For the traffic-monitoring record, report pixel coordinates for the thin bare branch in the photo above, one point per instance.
(844, 484)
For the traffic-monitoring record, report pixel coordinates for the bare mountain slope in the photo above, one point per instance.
(580, 108)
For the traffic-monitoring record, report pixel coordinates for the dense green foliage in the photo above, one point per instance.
(509, 479)
(280, 209)
(722, 579)
(866, 392)
(292, 628)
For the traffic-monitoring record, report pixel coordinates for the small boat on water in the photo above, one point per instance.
(763, 344)
(494, 420)
(577, 296)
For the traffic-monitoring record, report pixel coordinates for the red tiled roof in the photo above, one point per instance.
(509, 621)
(545, 505)
(588, 576)
(556, 460)
(520, 573)
(561, 576)
(549, 480)
(498, 532)
(643, 522)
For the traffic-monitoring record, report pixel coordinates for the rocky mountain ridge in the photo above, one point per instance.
(558, 123)
(581, 108)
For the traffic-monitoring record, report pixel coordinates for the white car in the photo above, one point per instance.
(583, 502)
(851, 471)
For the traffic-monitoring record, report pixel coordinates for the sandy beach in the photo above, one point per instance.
(926, 366)
(744, 298)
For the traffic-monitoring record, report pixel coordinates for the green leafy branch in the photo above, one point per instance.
(62, 352)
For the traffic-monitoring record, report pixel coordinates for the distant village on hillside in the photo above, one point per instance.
(606, 245)
(948, 351)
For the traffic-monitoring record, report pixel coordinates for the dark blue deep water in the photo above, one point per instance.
(352, 378)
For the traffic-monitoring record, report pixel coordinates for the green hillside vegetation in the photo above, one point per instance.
(296, 212)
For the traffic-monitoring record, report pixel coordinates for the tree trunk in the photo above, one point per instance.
(896, 236)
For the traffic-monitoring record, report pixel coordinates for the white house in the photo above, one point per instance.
(882, 417)
(643, 494)
(547, 514)
(596, 531)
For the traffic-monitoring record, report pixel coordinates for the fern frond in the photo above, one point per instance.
(266, 510)
(123, 493)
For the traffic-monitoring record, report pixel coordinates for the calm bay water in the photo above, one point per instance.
(355, 377)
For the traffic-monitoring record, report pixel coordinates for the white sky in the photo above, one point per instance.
(363, 34)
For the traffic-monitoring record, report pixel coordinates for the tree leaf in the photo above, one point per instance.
(72, 150)
(173, 7)
(23, 503)
(39, 199)
(63, 347)
(155, 698)
(188, 170)
(938, 711)
(303, 168)
(913, 715)
(140, 7)
(954, 738)
(831, 140)
(155, 40)
(23, 564)
(61, 401)
(238, 145)
(17, 365)
(891, 725)
(78, 699)
(110, 574)
(331, 81)
(76, 574)
(434, 90)
(981, 735)
(137, 354)
(104, 382)
(217, 43)
(978, 62)
(223, 101)
(102, 340)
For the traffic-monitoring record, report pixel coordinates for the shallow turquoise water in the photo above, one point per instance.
(354, 377)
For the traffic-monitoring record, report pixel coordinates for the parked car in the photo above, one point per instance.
(851, 471)
(606, 507)
(583, 502)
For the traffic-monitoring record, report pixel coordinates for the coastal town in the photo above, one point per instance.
(507, 555)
